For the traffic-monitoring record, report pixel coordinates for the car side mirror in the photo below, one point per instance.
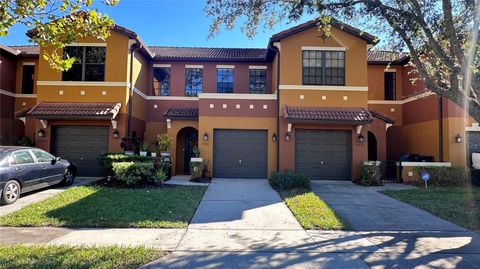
(55, 160)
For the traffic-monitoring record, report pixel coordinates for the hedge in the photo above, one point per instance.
(445, 176)
(133, 173)
(107, 159)
(287, 179)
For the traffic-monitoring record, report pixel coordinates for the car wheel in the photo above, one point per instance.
(68, 178)
(11, 192)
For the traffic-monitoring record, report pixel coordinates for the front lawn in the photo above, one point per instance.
(97, 206)
(460, 205)
(311, 211)
(26, 257)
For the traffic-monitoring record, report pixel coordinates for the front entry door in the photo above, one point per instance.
(191, 141)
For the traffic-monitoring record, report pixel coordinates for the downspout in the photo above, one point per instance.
(440, 128)
(276, 49)
(133, 49)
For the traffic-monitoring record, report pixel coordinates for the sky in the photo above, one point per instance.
(170, 23)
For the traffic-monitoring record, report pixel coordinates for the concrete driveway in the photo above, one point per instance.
(243, 223)
(42, 194)
(368, 210)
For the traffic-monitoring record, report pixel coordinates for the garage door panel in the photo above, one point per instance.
(82, 145)
(321, 154)
(240, 153)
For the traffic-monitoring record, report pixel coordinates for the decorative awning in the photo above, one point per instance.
(75, 111)
(181, 113)
(323, 115)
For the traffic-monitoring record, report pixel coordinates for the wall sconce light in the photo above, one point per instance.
(287, 136)
(205, 136)
(116, 134)
(41, 133)
(274, 137)
(458, 138)
(360, 138)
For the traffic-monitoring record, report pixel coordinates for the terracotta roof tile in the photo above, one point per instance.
(27, 50)
(386, 57)
(23, 112)
(327, 115)
(371, 39)
(93, 111)
(181, 113)
(215, 54)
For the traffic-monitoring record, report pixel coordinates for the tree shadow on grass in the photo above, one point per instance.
(118, 208)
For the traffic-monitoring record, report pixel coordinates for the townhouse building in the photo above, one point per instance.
(319, 105)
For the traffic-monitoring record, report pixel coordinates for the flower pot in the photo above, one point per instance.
(143, 153)
(129, 152)
(165, 154)
(196, 160)
(154, 154)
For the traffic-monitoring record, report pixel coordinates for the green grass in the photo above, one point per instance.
(311, 211)
(25, 257)
(96, 206)
(460, 205)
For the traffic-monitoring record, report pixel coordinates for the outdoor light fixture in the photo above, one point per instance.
(41, 133)
(360, 138)
(116, 134)
(274, 137)
(458, 138)
(205, 136)
(287, 136)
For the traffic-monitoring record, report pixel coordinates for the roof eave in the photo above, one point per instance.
(327, 122)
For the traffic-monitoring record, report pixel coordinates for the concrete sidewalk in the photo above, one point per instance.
(42, 194)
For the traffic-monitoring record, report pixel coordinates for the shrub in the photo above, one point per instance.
(286, 180)
(24, 141)
(370, 173)
(160, 176)
(107, 159)
(445, 176)
(132, 173)
(163, 142)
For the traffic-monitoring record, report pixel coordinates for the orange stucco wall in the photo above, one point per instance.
(355, 57)
(376, 81)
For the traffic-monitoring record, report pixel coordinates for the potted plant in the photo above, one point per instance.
(153, 149)
(143, 149)
(196, 152)
(130, 144)
(163, 142)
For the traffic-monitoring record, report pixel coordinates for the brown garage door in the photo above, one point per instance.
(323, 154)
(81, 145)
(240, 154)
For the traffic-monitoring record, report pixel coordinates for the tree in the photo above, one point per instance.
(55, 23)
(441, 36)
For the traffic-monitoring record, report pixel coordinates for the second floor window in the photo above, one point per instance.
(323, 67)
(89, 63)
(193, 81)
(258, 80)
(161, 81)
(225, 80)
(389, 81)
(27, 79)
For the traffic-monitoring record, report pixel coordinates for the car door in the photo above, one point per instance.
(23, 162)
(51, 173)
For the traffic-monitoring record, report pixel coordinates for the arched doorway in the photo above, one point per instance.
(372, 147)
(187, 140)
